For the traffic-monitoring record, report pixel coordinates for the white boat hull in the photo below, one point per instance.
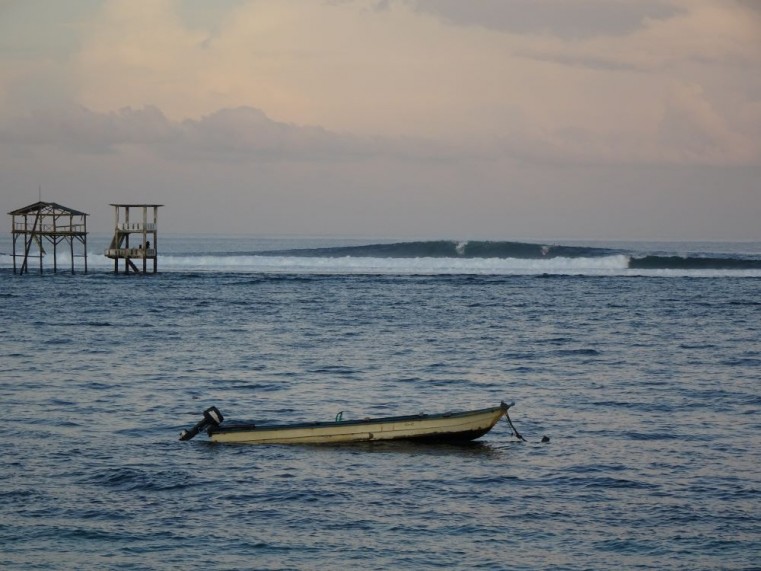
(447, 427)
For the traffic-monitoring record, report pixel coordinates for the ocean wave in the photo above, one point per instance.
(448, 257)
(695, 263)
(452, 249)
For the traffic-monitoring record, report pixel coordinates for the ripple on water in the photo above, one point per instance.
(652, 463)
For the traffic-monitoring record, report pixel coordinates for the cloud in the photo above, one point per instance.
(692, 129)
(242, 134)
(613, 82)
(690, 132)
(559, 18)
(83, 131)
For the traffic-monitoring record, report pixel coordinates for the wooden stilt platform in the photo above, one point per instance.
(141, 229)
(48, 223)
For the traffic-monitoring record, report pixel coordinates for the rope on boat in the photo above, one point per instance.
(512, 426)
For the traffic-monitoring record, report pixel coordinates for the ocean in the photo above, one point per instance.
(640, 361)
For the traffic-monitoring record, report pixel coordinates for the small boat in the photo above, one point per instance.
(448, 427)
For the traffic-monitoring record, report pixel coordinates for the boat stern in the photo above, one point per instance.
(211, 419)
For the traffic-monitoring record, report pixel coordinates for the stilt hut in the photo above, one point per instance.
(47, 223)
(141, 229)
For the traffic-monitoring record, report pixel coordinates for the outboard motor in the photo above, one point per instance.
(211, 418)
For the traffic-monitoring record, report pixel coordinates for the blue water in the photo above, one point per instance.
(645, 380)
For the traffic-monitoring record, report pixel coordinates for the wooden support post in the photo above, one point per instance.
(55, 248)
(155, 237)
(84, 242)
(145, 223)
(15, 237)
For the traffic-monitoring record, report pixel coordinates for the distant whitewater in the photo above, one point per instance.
(444, 257)
(441, 257)
(529, 251)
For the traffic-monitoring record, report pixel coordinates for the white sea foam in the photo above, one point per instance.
(617, 265)
(403, 266)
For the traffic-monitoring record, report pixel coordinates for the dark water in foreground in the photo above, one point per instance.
(647, 385)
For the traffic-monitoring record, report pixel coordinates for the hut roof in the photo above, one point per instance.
(135, 205)
(46, 208)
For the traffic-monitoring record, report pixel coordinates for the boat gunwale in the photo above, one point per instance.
(222, 429)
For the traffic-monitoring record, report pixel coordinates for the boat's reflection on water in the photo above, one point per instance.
(473, 448)
(470, 449)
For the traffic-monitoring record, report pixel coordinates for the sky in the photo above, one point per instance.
(478, 119)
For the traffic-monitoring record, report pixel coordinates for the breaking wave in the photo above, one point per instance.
(395, 265)
(450, 257)
(452, 249)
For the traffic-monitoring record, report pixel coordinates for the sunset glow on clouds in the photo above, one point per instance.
(457, 117)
